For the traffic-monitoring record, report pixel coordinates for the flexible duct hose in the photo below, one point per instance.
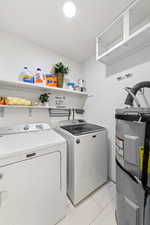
(129, 100)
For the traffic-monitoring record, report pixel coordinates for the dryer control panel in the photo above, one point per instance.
(24, 128)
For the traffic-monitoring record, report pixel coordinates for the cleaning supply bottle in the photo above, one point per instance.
(44, 78)
(26, 76)
(39, 78)
(51, 80)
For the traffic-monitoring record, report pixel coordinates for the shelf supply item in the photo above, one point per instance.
(2, 100)
(71, 85)
(76, 88)
(39, 78)
(17, 101)
(26, 76)
(51, 80)
(81, 84)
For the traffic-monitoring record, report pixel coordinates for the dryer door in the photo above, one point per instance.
(30, 191)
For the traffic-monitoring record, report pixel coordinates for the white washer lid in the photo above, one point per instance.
(16, 144)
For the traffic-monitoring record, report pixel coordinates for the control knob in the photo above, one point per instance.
(26, 127)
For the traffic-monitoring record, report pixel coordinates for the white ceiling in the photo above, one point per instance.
(43, 22)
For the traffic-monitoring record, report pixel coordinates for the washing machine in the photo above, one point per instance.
(32, 175)
(87, 158)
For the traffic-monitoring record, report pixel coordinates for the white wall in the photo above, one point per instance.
(15, 53)
(108, 94)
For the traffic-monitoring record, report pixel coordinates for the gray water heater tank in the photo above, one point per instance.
(132, 188)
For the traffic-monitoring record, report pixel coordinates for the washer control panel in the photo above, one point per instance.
(25, 128)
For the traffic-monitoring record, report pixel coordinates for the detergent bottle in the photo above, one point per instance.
(39, 78)
(26, 76)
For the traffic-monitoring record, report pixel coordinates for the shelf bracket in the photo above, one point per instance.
(30, 112)
(2, 110)
(49, 111)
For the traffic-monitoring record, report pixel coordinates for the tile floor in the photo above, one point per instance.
(98, 209)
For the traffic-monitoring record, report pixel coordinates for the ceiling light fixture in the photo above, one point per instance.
(69, 9)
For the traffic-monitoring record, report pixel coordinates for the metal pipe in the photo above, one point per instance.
(129, 100)
(134, 97)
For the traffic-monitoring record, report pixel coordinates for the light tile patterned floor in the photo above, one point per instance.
(98, 209)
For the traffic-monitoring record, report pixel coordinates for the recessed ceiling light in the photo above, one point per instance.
(69, 9)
